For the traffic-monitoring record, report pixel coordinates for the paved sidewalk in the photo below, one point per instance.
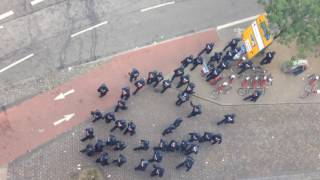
(34, 118)
(285, 89)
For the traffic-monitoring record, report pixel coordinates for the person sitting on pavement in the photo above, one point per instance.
(111, 140)
(98, 147)
(142, 165)
(131, 129)
(119, 124)
(103, 159)
(185, 79)
(88, 150)
(121, 105)
(232, 44)
(125, 93)
(158, 79)
(157, 171)
(151, 77)
(194, 137)
(190, 88)
(157, 156)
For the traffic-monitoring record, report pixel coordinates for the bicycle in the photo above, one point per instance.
(224, 87)
(311, 87)
(245, 86)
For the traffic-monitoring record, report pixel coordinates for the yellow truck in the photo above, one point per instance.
(257, 37)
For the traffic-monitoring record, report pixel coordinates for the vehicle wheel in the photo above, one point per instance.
(242, 91)
(215, 94)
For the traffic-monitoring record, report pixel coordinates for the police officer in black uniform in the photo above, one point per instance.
(268, 58)
(125, 93)
(216, 138)
(215, 72)
(177, 122)
(182, 98)
(186, 61)
(162, 146)
(103, 159)
(184, 145)
(121, 124)
(186, 163)
(96, 115)
(151, 77)
(144, 145)
(89, 150)
(157, 171)
(216, 57)
(134, 74)
(103, 89)
(139, 84)
(98, 147)
(232, 44)
(157, 156)
(131, 129)
(142, 165)
(194, 148)
(178, 73)
(119, 146)
(166, 84)
(183, 80)
(228, 118)
(197, 61)
(109, 117)
(254, 96)
(245, 66)
(190, 88)
(173, 146)
(168, 130)
(196, 110)
(111, 140)
(120, 161)
(158, 79)
(207, 49)
(194, 137)
(121, 105)
(89, 134)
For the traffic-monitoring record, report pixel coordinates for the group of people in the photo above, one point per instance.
(185, 147)
(220, 61)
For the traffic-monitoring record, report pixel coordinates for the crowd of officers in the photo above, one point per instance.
(186, 147)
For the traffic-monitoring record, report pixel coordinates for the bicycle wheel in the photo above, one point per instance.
(242, 91)
(304, 94)
(215, 94)
(308, 88)
(227, 89)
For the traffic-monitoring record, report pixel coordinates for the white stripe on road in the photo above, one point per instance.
(89, 29)
(5, 15)
(1, 27)
(237, 22)
(34, 2)
(157, 6)
(15, 63)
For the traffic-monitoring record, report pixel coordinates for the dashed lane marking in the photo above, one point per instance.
(6, 14)
(34, 2)
(157, 6)
(15, 63)
(89, 29)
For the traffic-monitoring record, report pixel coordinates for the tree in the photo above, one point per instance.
(295, 20)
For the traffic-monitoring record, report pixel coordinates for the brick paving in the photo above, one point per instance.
(266, 140)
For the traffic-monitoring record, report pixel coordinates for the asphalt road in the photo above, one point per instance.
(44, 32)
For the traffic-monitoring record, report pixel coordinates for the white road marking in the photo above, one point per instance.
(15, 63)
(237, 22)
(89, 29)
(63, 95)
(157, 6)
(65, 118)
(1, 27)
(5, 15)
(34, 2)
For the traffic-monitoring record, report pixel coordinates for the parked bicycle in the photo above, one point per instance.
(311, 87)
(224, 87)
